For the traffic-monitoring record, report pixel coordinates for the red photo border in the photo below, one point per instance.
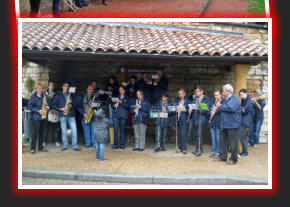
(134, 192)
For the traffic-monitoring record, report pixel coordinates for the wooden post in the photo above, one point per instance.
(240, 72)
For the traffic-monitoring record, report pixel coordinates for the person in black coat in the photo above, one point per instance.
(159, 86)
(131, 88)
(191, 99)
(145, 86)
(113, 87)
(35, 106)
(200, 117)
(247, 119)
(34, 8)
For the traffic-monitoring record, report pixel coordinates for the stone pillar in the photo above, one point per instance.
(240, 73)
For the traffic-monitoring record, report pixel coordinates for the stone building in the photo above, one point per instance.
(204, 54)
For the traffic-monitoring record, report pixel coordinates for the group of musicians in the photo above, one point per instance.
(227, 116)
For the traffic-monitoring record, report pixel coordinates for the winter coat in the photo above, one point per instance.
(101, 127)
(259, 114)
(162, 121)
(59, 102)
(128, 92)
(159, 89)
(183, 118)
(143, 112)
(201, 116)
(216, 119)
(123, 108)
(147, 89)
(34, 105)
(247, 112)
(231, 116)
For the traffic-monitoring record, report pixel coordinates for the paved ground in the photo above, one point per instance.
(146, 162)
(158, 8)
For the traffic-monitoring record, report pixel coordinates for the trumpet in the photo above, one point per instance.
(149, 82)
(258, 98)
(156, 81)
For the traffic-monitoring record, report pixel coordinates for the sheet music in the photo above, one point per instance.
(72, 89)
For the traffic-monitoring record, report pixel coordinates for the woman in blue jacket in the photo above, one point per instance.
(215, 123)
(35, 106)
(247, 119)
(161, 124)
(140, 116)
(120, 116)
(200, 117)
(181, 120)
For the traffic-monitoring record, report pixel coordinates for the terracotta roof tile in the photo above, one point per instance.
(105, 38)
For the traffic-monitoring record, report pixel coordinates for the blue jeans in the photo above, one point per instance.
(255, 132)
(111, 111)
(72, 123)
(81, 2)
(243, 139)
(100, 149)
(122, 123)
(89, 132)
(181, 136)
(215, 134)
(160, 139)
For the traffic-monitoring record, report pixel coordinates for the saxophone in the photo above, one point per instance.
(44, 108)
(91, 112)
(67, 105)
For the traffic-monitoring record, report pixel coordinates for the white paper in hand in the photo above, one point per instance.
(72, 89)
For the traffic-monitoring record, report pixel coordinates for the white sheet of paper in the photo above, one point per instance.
(180, 108)
(116, 100)
(96, 104)
(101, 92)
(155, 76)
(72, 89)
(192, 106)
(163, 115)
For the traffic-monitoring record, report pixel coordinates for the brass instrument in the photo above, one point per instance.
(44, 108)
(67, 105)
(149, 82)
(156, 81)
(258, 98)
(91, 112)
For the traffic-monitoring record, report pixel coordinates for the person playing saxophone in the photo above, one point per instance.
(61, 100)
(35, 105)
(83, 106)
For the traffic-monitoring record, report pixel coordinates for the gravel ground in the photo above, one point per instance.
(163, 163)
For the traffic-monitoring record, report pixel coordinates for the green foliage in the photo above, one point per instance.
(257, 6)
(29, 84)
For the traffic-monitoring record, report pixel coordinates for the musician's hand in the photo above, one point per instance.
(116, 105)
(85, 115)
(62, 109)
(218, 104)
(69, 101)
(190, 111)
(135, 110)
(131, 90)
(40, 111)
(45, 103)
(164, 110)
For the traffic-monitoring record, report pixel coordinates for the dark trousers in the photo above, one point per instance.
(34, 7)
(56, 134)
(199, 131)
(38, 132)
(181, 136)
(55, 7)
(229, 138)
(243, 139)
(122, 124)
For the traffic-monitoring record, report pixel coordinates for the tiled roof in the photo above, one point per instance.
(119, 38)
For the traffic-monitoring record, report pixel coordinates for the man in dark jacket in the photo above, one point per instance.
(59, 103)
(200, 117)
(35, 106)
(180, 120)
(120, 116)
(131, 88)
(145, 87)
(113, 87)
(255, 128)
(247, 119)
(159, 86)
(84, 103)
(230, 123)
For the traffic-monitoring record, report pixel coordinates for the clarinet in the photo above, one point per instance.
(211, 116)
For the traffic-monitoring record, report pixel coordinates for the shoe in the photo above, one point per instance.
(140, 150)
(78, 149)
(255, 145)
(57, 144)
(178, 151)
(87, 146)
(80, 6)
(243, 155)
(163, 149)
(212, 155)
(85, 4)
(63, 149)
(184, 152)
(105, 3)
(156, 150)
(122, 147)
(43, 144)
(115, 147)
(219, 159)
(32, 151)
(97, 158)
(136, 149)
(43, 150)
(102, 161)
(231, 162)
